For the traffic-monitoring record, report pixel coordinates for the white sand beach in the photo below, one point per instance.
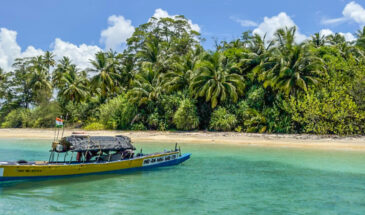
(264, 140)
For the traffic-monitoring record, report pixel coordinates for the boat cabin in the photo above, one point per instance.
(85, 148)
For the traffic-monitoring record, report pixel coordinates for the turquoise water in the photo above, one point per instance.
(217, 179)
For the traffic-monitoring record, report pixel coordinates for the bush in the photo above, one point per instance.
(328, 112)
(222, 120)
(186, 118)
(254, 121)
(117, 113)
(138, 127)
(77, 113)
(278, 121)
(162, 126)
(44, 115)
(168, 105)
(153, 121)
(256, 97)
(238, 129)
(18, 118)
(94, 126)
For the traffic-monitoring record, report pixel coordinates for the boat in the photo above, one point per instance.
(81, 154)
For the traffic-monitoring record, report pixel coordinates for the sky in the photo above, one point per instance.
(79, 29)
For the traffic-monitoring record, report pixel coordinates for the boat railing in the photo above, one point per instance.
(84, 156)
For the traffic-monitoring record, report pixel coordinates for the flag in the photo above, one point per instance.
(59, 122)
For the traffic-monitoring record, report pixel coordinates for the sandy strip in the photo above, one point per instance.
(231, 138)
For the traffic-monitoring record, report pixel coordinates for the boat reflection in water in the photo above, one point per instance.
(81, 154)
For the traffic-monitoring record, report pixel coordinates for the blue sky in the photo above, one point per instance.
(31, 27)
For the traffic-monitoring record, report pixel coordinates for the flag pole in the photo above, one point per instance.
(63, 125)
(54, 137)
(58, 130)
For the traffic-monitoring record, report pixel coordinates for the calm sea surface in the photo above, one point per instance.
(217, 179)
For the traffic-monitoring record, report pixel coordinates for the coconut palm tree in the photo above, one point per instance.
(292, 70)
(63, 67)
(181, 72)
(318, 40)
(150, 51)
(48, 59)
(258, 51)
(146, 86)
(285, 38)
(41, 76)
(216, 81)
(347, 49)
(336, 39)
(75, 85)
(40, 79)
(106, 80)
(361, 38)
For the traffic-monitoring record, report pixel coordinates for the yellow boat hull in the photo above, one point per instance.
(45, 169)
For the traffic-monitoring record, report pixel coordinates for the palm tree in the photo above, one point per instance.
(181, 72)
(126, 70)
(63, 67)
(48, 59)
(146, 86)
(292, 70)
(106, 80)
(41, 77)
(74, 86)
(258, 52)
(285, 38)
(318, 40)
(347, 49)
(216, 81)
(361, 38)
(336, 39)
(150, 51)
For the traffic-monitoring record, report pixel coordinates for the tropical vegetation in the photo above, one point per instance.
(165, 80)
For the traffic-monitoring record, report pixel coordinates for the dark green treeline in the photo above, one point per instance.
(165, 80)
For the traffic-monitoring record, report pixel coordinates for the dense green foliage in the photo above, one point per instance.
(186, 117)
(222, 120)
(164, 79)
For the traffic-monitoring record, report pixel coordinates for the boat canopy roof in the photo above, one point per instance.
(80, 143)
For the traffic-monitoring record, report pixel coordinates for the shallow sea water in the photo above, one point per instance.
(218, 179)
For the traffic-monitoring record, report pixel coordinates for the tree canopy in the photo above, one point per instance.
(165, 79)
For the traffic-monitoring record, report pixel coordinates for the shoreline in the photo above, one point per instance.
(356, 143)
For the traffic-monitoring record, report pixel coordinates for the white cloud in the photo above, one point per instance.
(326, 32)
(270, 25)
(80, 55)
(244, 22)
(159, 13)
(10, 50)
(352, 11)
(31, 52)
(333, 21)
(349, 37)
(119, 30)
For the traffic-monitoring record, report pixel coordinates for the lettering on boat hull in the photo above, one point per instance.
(156, 160)
(1, 172)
